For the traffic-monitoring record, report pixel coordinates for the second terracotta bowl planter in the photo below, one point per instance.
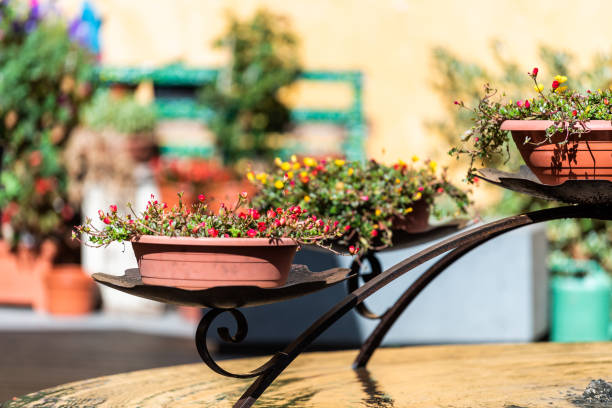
(585, 156)
(200, 263)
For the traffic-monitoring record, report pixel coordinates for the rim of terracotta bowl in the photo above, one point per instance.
(218, 241)
(545, 124)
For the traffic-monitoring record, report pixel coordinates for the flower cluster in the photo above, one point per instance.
(368, 199)
(197, 221)
(568, 109)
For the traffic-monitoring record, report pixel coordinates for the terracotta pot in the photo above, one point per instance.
(199, 263)
(169, 193)
(415, 222)
(68, 291)
(227, 193)
(586, 156)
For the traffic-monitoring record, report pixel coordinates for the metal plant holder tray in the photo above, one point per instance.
(301, 282)
(597, 192)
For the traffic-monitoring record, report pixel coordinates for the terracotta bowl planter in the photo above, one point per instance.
(68, 290)
(588, 156)
(415, 222)
(200, 263)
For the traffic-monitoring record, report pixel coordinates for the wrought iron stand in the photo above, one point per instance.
(588, 198)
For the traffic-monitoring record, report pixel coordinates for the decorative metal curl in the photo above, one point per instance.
(353, 282)
(241, 333)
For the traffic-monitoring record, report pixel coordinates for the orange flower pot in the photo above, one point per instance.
(68, 290)
(585, 156)
(200, 263)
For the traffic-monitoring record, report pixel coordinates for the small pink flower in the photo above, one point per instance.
(201, 197)
(251, 233)
(107, 220)
(213, 232)
(347, 228)
(574, 112)
(271, 214)
(352, 249)
(374, 233)
(440, 190)
(326, 229)
(113, 208)
(365, 197)
(101, 214)
(421, 188)
(519, 103)
(244, 194)
(261, 226)
(534, 72)
(527, 104)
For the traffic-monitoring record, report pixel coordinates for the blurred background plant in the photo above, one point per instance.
(44, 81)
(460, 79)
(247, 110)
(115, 125)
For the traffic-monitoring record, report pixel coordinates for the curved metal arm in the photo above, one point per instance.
(353, 282)
(465, 240)
(224, 333)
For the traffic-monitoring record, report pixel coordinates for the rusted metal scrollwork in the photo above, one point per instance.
(357, 271)
(241, 333)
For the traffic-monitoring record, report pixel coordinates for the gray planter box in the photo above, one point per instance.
(496, 293)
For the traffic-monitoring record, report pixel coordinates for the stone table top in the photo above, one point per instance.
(459, 376)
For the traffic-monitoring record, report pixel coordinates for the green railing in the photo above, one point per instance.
(178, 75)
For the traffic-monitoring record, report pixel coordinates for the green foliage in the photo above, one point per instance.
(244, 99)
(369, 199)
(43, 82)
(122, 114)
(196, 221)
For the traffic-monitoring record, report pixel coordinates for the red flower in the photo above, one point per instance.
(574, 112)
(374, 233)
(213, 232)
(352, 249)
(365, 197)
(421, 188)
(244, 194)
(605, 101)
(534, 72)
(326, 229)
(261, 226)
(271, 214)
(146, 217)
(251, 233)
(336, 223)
(555, 84)
(347, 228)
(195, 229)
(107, 220)
(279, 210)
(101, 214)
(519, 103)
(456, 102)
(440, 190)
(242, 215)
(113, 208)
(201, 197)
(527, 104)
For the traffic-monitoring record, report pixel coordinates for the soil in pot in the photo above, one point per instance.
(585, 157)
(200, 263)
(68, 290)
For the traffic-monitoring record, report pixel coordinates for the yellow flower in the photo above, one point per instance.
(263, 177)
(279, 184)
(339, 162)
(397, 181)
(285, 166)
(561, 89)
(278, 161)
(296, 165)
(599, 91)
(378, 212)
(588, 108)
(303, 174)
(418, 196)
(433, 165)
(307, 199)
(538, 88)
(351, 171)
(310, 162)
(290, 174)
(408, 210)
(401, 163)
(560, 78)
(415, 158)
(339, 185)
(293, 158)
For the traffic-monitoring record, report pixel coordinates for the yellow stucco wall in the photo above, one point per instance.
(389, 40)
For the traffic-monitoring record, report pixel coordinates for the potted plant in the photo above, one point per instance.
(560, 133)
(193, 248)
(189, 175)
(369, 199)
(44, 82)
